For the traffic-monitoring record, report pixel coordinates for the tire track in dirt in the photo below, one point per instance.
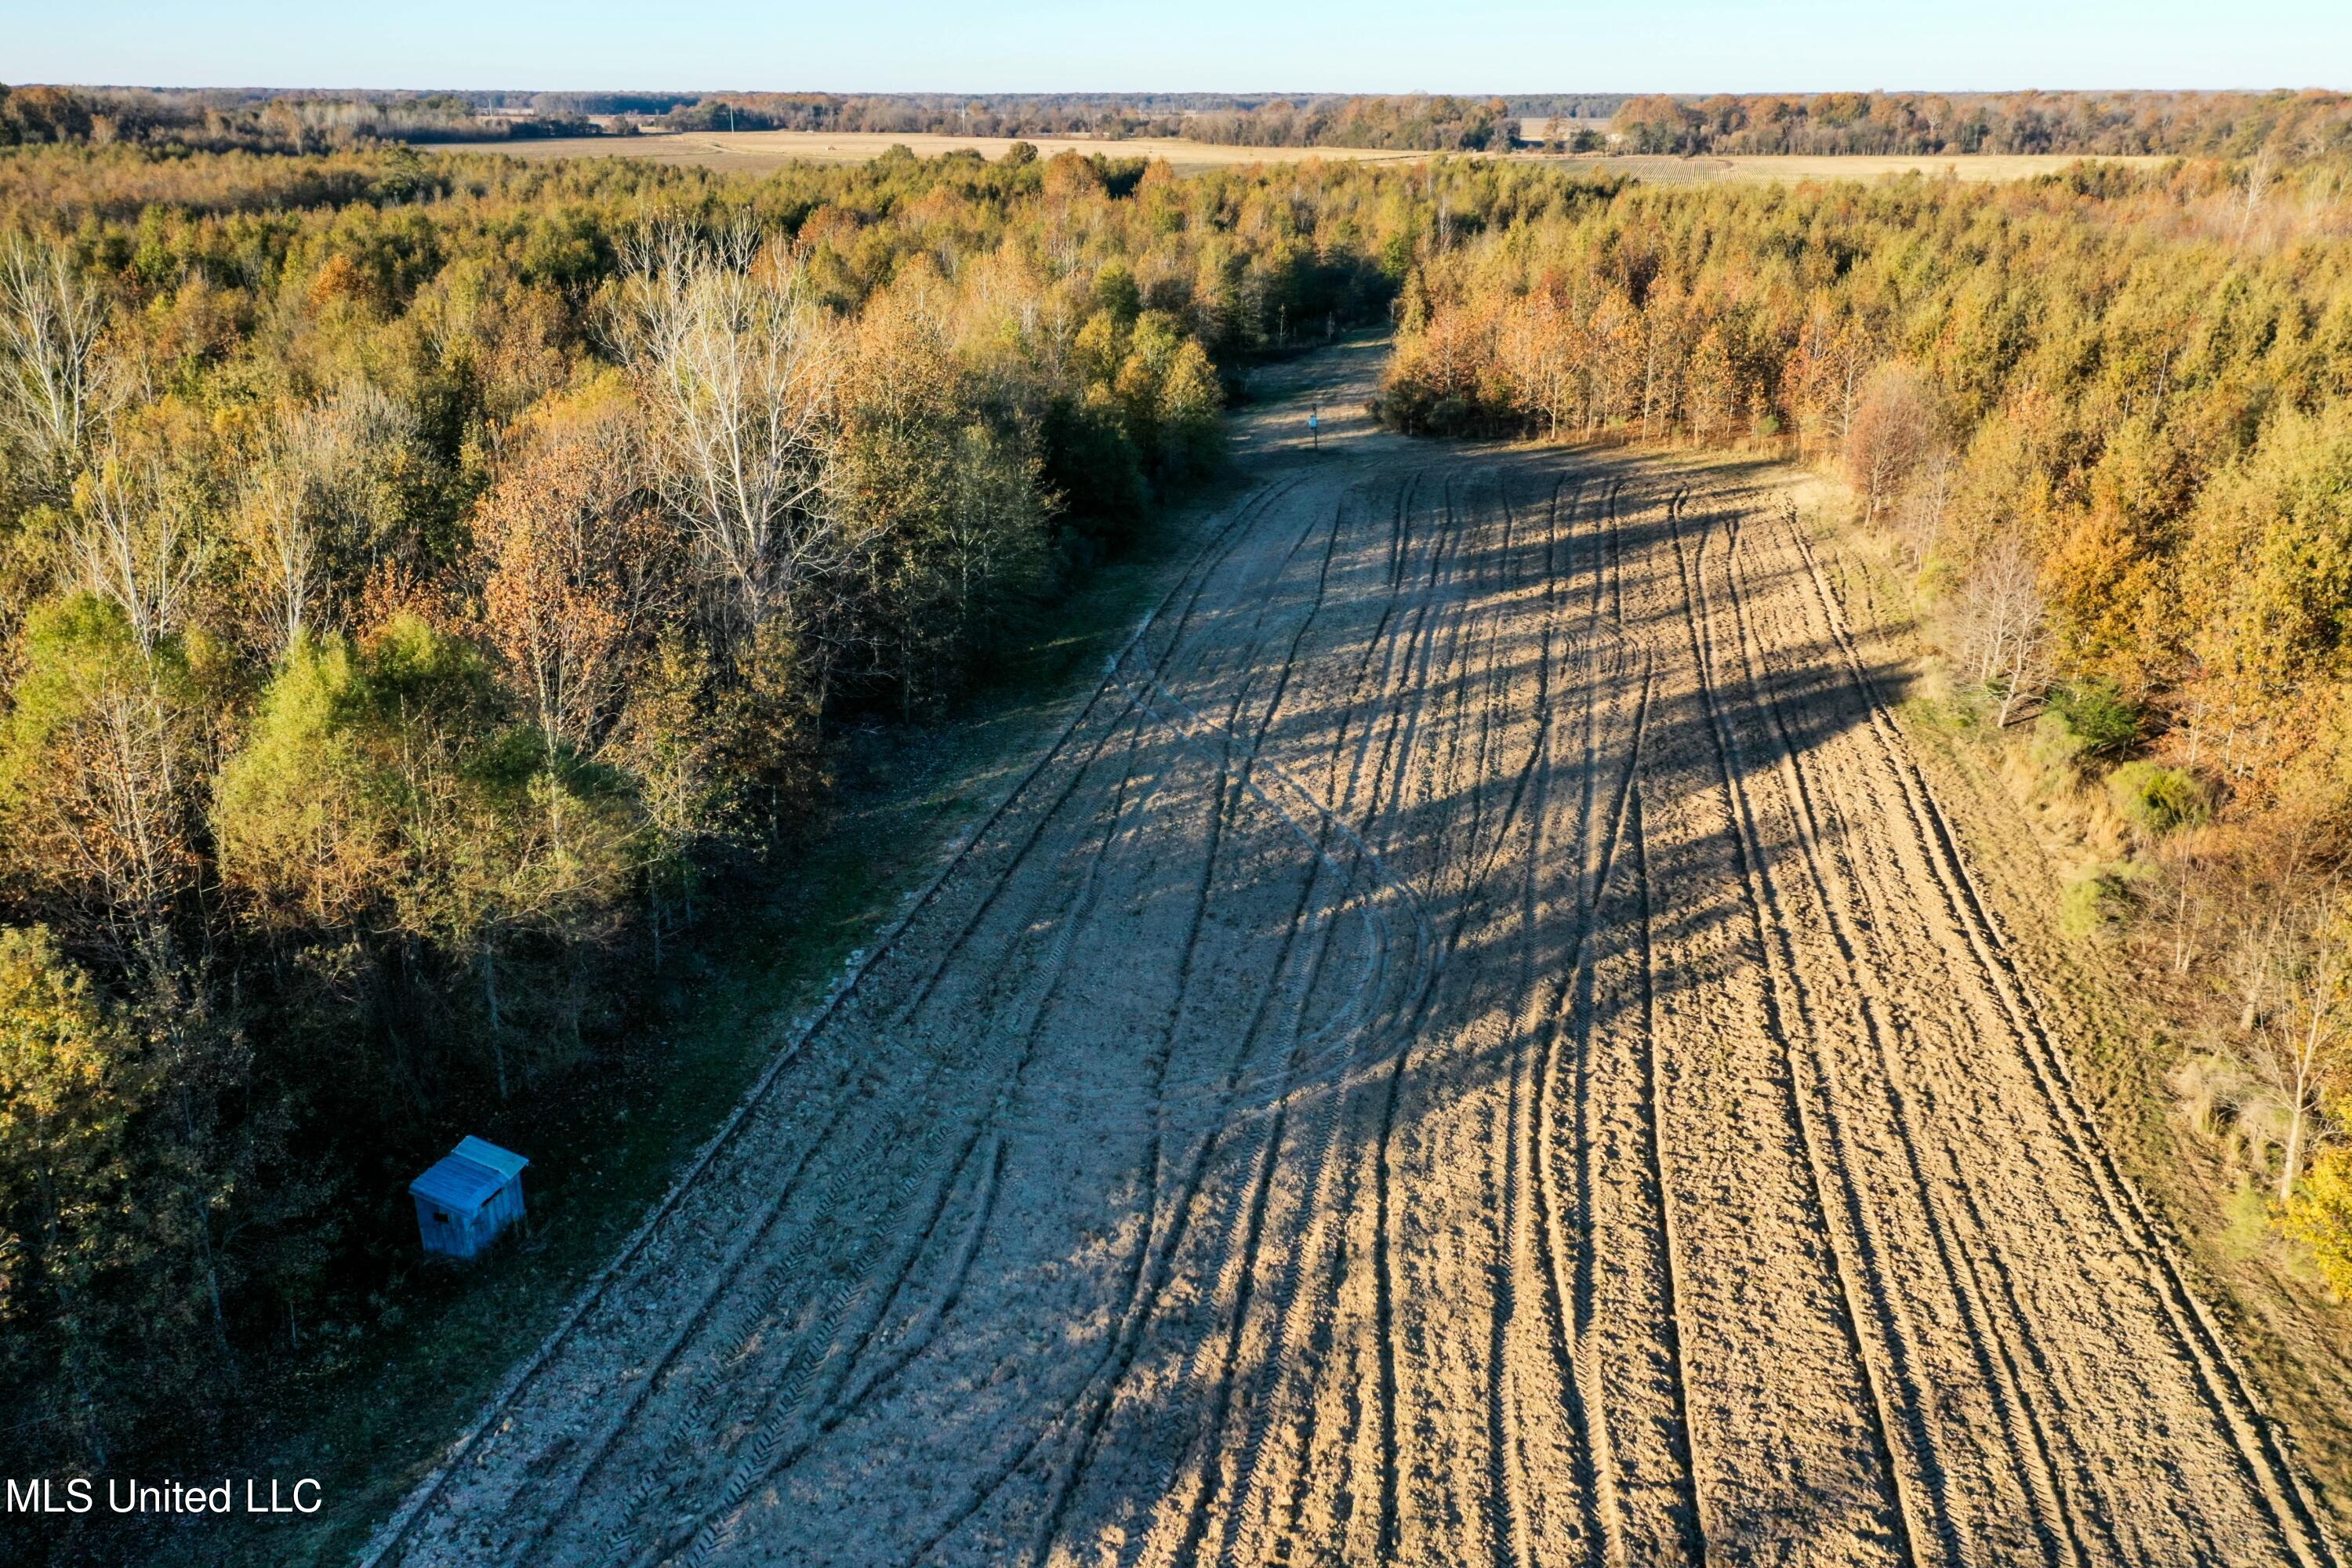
(2223, 1382)
(1466, 786)
(707, 1531)
(1444, 1060)
(1854, 1277)
(1539, 1246)
(1986, 1334)
(1231, 790)
(1136, 1314)
(1575, 1297)
(1284, 1327)
(1403, 733)
(1521, 1211)
(1695, 1536)
(779, 1397)
(621, 1419)
(1401, 682)
(1536, 1248)
(1323, 1318)
(1397, 576)
(1119, 1353)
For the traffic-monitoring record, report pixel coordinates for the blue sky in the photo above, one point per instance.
(1370, 45)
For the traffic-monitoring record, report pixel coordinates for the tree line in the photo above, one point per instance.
(990, 114)
(430, 586)
(2201, 124)
(2106, 124)
(219, 122)
(320, 122)
(1408, 123)
(2105, 418)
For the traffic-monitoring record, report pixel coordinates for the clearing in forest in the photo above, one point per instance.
(1479, 1045)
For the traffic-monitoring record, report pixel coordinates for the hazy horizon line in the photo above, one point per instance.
(1169, 91)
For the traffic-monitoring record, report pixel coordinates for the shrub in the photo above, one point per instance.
(2320, 1214)
(2099, 718)
(2157, 799)
(2095, 903)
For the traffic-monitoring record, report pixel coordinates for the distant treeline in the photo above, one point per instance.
(1407, 123)
(320, 122)
(1073, 114)
(1413, 122)
(1567, 105)
(2223, 124)
(300, 122)
(2219, 124)
(229, 121)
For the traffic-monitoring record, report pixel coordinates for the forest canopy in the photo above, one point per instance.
(429, 585)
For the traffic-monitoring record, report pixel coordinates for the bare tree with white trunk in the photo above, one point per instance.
(1926, 506)
(305, 505)
(2004, 630)
(738, 365)
(56, 393)
(2303, 955)
(2305, 1048)
(133, 536)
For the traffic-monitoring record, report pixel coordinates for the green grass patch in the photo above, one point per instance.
(2244, 1231)
(1953, 715)
(2097, 901)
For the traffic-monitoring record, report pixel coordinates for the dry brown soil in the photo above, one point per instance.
(1479, 1046)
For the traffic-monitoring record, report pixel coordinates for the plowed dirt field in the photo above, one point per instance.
(1479, 1045)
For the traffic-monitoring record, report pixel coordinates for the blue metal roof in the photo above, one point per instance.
(469, 1176)
(504, 1161)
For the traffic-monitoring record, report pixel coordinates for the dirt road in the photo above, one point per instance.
(1477, 1046)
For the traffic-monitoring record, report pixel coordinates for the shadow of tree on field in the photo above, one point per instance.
(1402, 762)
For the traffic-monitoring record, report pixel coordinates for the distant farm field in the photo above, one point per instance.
(758, 151)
